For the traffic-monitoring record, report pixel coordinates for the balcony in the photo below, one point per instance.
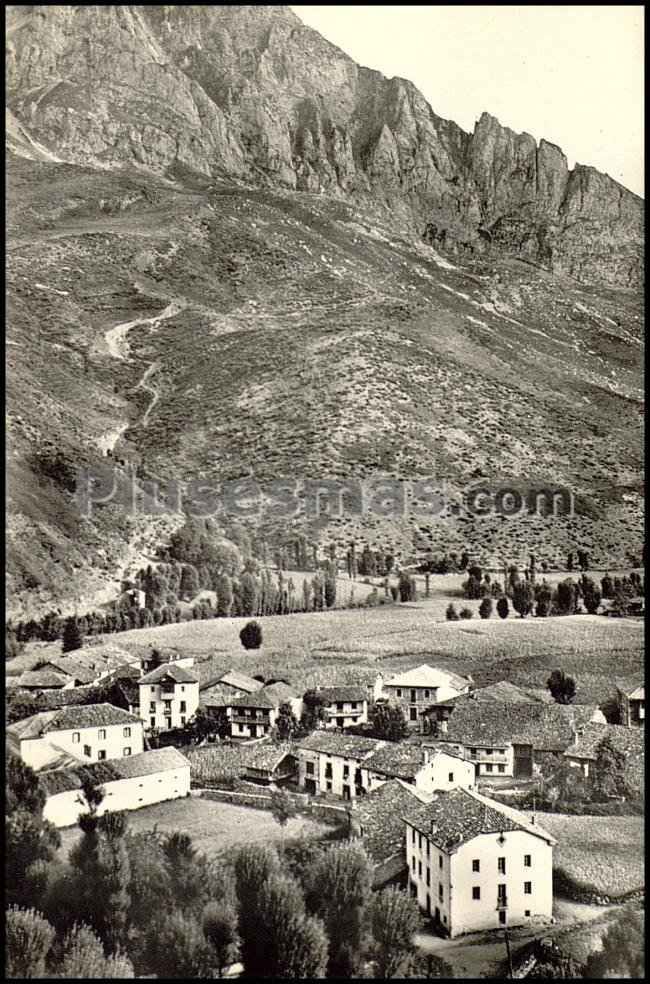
(239, 717)
(502, 902)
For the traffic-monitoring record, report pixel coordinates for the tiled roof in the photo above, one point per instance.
(630, 741)
(266, 757)
(333, 694)
(380, 816)
(281, 691)
(70, 718)
(346, 746)
(74, 668)
(455, 817)
(548, 727)
(240, 682)
(43, 678)
(128, 767)
(427, 676)
(261, 699)
(177, 673)
(397, 760)
(509, 692)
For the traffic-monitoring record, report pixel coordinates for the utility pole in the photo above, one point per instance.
(507, 939)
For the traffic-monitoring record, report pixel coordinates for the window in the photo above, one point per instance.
(420, 869)
(413, 713)
(183, 719)
(502, 917)
(428, 848)
(502, 768)
(501, 866)
(476, 865)
(413, 834)
(488, 751)
(399, 693)
(153, 690)
(528, 888)
(440, 892)
(101, 734)
(420, 841)
(183, 707)
(488, 768)
(126, 751)
(414, 696)
(473, 752)
(527, 861)
(476, 892)
(152, 707)
(88, 751)
(182, 690)
(428, 877)
(153, 722)
(426, 693)
(309, 768)
(440, 860)
(101, 754)
(346, 771)
(169, 722)
(451, 777)
(76, 737)
(527, 912)
(126, 733)
(413, 863)
(353, 705)
(329, 787)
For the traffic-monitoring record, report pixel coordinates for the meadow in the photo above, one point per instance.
(603, 854)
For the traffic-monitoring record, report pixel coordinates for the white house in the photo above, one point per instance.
(216, 693)
(169, 696)
(426, 768)
(332, 763)
(417, 689)
(343, 706)
(87, 733)
(476, 865)
(128, 784)
(254, 715)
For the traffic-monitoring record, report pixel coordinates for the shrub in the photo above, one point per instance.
(485, 608)
(451, 614)
(502, 607)
(251, 635)
(466, 613)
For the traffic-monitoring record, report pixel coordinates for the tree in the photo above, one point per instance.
(330, 590)
(394, 918)
(30, 841)
(565, 598)
(451, 614)
(622, 953)
(72, 637)
(522, 598)
(405, 587)
(83, 957)
(607, 587)
(28, 939)
(485, 608)
(296, 945)
(338, 891)
(591, 596)
(282, 808)
(251, 635)
(220, 930)
(388, 722)
(313, 710)
(249, 594)
(502, 607)
(609, 772)
(177, 947)
(286, 724)
(562, 688)
(254, 864)
(466, 613)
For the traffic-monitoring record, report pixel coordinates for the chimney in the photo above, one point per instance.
(425, 755)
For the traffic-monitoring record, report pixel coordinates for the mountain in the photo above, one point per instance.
(327, 280)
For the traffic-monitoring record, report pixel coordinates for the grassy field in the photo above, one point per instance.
(605, 853)
(346, 646)
(213, 826)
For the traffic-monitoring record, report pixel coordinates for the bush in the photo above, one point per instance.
(485, 608)
(466, 613)
(503, 607)
(251, 635)
(451, 614)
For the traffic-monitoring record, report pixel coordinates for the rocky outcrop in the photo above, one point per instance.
(251, 93)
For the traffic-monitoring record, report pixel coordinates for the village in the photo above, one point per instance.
(433, 775)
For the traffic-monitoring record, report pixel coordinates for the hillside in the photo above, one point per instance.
(287, 326)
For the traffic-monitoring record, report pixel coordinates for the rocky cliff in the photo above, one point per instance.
(250, 93)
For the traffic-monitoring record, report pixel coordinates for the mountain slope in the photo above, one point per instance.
(252, 93)
(282, 332)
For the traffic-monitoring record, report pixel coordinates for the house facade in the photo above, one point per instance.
(255, 715)
(169, 697)
(332, 763)
(475, 865)
(425, 768)
(416, 690)
(344, 706)
(128, 784)
(88, 733)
